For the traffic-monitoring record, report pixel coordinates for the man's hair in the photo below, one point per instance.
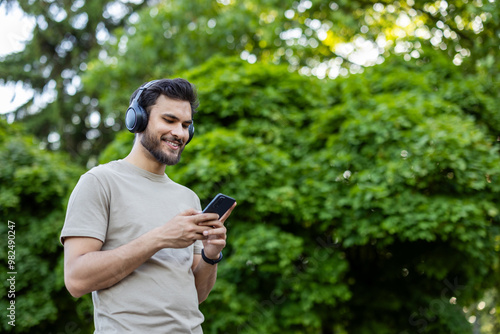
(177, 89)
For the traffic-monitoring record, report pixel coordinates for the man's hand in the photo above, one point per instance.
(213, 242)
(215, 235)
(185, 228)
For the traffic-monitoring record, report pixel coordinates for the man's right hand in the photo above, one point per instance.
(184, 229)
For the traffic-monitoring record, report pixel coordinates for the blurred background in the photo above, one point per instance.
(360, 139)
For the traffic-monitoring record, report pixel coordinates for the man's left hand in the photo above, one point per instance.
(215, 239)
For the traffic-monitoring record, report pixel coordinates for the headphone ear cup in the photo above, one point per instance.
(136, 118)
(191, 132)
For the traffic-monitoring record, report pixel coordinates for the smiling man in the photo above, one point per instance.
(134, 238)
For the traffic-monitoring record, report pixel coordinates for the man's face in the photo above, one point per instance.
(167, 132)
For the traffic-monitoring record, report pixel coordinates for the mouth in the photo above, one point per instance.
(174, 145)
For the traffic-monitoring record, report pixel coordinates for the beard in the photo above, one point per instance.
(155, 147)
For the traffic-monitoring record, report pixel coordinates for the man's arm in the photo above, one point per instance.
(87, 268)
(205, 274)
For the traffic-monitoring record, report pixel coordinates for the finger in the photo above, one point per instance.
(220, 232)
(217, 242)
(228, 213)
(198, 236)
(202, 229)
(204, 217)
(212, 223)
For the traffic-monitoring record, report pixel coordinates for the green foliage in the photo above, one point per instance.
(119, 148)
(417, 170)
(34, 186)
(66, 36)
(364, 203)
(177, 36)
(87, 56)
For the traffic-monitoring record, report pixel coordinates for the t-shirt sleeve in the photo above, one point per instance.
(198, 244)
(88, 210)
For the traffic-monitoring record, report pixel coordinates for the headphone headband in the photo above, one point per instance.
(142, 89)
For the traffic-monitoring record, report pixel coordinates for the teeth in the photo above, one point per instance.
(172, 143)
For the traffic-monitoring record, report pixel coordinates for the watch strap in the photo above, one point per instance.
(210, 261)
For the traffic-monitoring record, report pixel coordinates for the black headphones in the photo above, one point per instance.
(136, 118)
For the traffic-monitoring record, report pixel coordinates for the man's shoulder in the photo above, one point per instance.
(104, 169)
(100, 174)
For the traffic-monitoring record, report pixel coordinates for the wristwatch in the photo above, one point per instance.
(210, 261)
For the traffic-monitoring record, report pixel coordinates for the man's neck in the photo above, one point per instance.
(141, 158)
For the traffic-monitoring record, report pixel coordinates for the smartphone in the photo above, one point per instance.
(220, 204)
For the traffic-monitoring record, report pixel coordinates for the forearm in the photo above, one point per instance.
(205, 276)
(102, 269)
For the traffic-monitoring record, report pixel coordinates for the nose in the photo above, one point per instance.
(178, 131)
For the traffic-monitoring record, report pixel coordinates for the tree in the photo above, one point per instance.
(366, 203)
(321, 39)
(34, 188)
(157, 39)
(66, 36)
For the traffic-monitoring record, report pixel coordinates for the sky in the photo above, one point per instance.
(15, 28)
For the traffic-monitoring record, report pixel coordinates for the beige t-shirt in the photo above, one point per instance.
(116, 203)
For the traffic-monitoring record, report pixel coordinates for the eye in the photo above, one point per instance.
(168, 121)
(185, 126)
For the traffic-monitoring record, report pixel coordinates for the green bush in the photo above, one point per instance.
(34, 188)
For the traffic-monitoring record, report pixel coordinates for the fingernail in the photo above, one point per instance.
(205, 232)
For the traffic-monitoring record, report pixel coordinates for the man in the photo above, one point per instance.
(134, 238)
